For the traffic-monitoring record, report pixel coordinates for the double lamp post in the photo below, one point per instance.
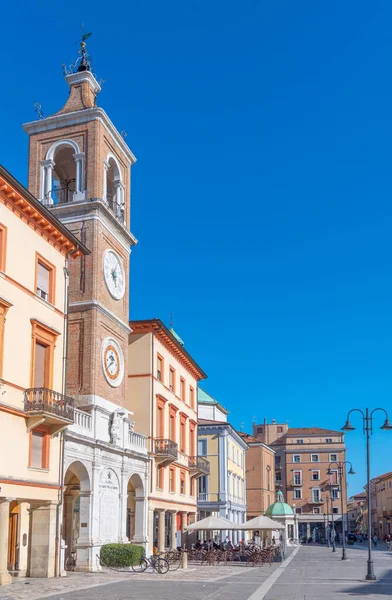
(367, 429)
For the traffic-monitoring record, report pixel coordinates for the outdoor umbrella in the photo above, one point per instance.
(212, 523)
(259, 523)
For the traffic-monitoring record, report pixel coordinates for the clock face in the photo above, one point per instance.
(113, 273)
(112, 362)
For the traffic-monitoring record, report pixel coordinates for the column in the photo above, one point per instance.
(67, 531)
(46, 184)
(118, 207)
(307, 531)
(5, 577)
(105, 180)
(140, 535)
(79, 183)
(43, 540)
(84, 562)
(173, 528)
(23, 536)
(161, 530)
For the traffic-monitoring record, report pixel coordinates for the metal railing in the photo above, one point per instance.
(296, 482)
(200, 464)
(166, 448)
(37, 400)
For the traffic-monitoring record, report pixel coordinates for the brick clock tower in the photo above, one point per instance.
(80, 168)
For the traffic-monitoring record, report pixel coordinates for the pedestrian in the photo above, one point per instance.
(375, 540)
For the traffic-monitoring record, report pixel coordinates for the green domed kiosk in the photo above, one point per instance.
(282, 512)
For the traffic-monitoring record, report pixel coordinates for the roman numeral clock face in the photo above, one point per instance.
(112, 362)
(113, 274)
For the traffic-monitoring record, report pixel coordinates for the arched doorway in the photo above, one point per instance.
(136, 513)
(76, 513)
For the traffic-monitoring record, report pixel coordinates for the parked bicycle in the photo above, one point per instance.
(70, 563)
(157, 563)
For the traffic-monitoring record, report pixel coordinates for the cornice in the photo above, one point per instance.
(76, 118)
(89, 304)
(29, 209)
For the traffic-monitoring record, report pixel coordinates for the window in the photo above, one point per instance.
(333, 457)
(182, 482)
(335, 510)
(202, 447)
(172, 425)
(314, 457)
(259, 430)
(172, 480)
(328, 440)
(316, 496)
(298, 511)
(297, 493)
(172, 380)
(160, 418)
(297, 478)
(334, 493)
(192, 439)
(44, 279)
(277, 460)
(182, 389)
(300, 441)
(315, 475)
(3, 246)
(43, 344)
(316, 511)
(333, 477)
(191, 397)
(160, 368)
(39, 448)
(278, 476)
(183, 434)
(297, 458)
(160, 477)
(203, 487)
(193, 486)
(279, 430)
(4, 306)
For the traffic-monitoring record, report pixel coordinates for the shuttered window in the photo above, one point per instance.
(37, 449)
(40, 365)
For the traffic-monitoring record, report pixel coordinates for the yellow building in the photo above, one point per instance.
(34, 252)
(162, 389)
(223, 491)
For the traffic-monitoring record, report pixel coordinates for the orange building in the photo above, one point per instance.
(260, 476)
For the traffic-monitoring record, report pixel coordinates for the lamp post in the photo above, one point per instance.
(340, 465)
(367, 429)
(328, 532)
(333, 533)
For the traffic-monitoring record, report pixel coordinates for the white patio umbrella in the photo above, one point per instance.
(212, 523)
(259, 523)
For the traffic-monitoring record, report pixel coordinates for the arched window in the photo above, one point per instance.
(62, 173)
(113, 187)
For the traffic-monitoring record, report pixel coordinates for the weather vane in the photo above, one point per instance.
(83, 62)
(38, 110)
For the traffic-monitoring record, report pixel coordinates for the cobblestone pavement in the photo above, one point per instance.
(316, 573)
(194, 583)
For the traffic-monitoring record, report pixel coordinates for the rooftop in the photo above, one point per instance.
(304, 432)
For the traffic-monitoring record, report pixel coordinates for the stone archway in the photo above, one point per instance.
(76, 513)
(136, 509)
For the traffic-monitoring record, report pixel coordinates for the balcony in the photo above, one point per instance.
(44, 406)
(316, 500)
(166, 451)
(198, 466)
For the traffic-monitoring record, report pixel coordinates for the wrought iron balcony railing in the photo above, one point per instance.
(199, 464)
(296, 482)
(44, 400)
(166, 448)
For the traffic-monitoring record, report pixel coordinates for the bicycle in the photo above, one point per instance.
(70, 563)
(158, 564)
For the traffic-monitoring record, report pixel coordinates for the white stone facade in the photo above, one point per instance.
(106, 468)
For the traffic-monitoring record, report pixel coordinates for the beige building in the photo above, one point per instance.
(381, 504)
(35, 249)
(302, 458)
(162, 391)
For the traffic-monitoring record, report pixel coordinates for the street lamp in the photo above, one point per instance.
(367, 429)
(340, 466)
(333, 533)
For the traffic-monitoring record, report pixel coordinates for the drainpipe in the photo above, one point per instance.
(62, 434)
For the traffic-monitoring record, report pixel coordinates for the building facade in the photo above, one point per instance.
(223, 491)
(302, 460)
(260, 476)
(162, 389)
(381, 504)
(356, 508)
(36, 253)
(80, 169)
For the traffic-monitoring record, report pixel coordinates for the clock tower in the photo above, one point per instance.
(80, 168)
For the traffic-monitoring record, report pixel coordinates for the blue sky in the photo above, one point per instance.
(262, 193)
